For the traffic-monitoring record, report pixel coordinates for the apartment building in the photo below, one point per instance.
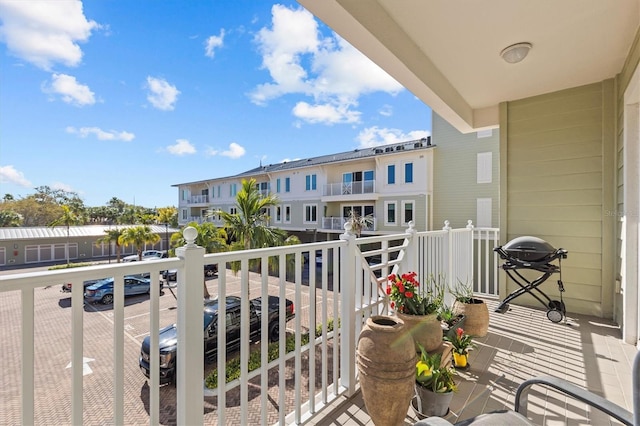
(390, 184)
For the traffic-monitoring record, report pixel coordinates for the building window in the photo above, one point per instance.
(484, 166)
(233, 189)
(184, 214)
(233, 210)
(278, 218)
(310, 182)
(407, 212)
(483, 212)
(391, 174)
(185, 195)
(390, 213)
(278, 185)
(287, 184)
(310, 213)
(287, 214)
(408, 173)
(219, 186)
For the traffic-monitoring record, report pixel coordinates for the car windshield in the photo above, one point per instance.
(208, 318)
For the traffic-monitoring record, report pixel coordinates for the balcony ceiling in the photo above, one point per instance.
(448, 52)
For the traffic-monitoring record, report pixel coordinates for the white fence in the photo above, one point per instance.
(345, 287)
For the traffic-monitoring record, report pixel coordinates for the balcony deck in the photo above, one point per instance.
(522, 344)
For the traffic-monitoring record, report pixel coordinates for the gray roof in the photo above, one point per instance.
(356, 154)
(41, 232)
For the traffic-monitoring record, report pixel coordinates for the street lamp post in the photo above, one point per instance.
(166, 237)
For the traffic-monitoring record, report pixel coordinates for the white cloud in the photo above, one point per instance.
(210, 152)
(103, 135)
(162, 94)
(234, 151)
(70, 90)
(327, 69)
(374, 136)
(212, 43)
(8, 174)
(62, 186)
(182, 147)
(326, 113)
(386, 111)
(45, 32)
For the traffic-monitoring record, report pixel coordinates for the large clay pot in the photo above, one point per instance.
(476, 321)
(387, 367)
(425, 330)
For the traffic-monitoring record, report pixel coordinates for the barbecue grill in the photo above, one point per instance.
(537, 255)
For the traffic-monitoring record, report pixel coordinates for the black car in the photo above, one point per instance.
(172, 274)
(169, 335)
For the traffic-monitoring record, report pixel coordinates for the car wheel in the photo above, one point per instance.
(274, 331)
(107, 299)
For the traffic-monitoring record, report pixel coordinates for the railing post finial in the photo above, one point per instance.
(470, 224)
(190, 234)
(446, 226)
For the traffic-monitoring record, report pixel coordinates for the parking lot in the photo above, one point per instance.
(52, 331)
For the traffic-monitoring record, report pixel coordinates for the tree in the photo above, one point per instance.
(112, 235)
(168, 215)
(68, 218)
(138, 236)
(250, 225)
(210, 237)
(10, 218)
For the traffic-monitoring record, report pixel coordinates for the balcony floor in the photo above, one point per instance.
(522, 344)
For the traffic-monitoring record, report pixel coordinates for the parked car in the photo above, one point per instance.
(146, 255)
(172, 274)
(66, 287)
(102, 291)
(169, 335)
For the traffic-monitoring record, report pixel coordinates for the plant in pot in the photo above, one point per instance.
(462, 343)
(449, 320)
(418, 308)
(435, 385)
(475, 311)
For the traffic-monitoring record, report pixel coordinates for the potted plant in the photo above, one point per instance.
(449, 320)
(475, 311)
(418, 308)
(435, 385)
(462, 343)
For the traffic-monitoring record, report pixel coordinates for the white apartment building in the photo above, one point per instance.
(391, 184)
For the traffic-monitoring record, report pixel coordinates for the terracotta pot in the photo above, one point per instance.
(476, 321)
(387, 367)
(425, 329)
(429, 403)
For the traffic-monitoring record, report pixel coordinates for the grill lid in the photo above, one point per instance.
(529, 248)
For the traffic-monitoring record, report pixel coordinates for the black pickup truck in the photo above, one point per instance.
(169, 338)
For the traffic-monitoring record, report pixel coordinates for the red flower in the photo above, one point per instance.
(393, 305)
(388, 290)
(401, 287)
(459, 332)
(408, 294)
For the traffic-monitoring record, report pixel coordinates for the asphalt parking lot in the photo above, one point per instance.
(52, 332)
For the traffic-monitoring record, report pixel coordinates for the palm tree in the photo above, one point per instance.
(139, 236)
(67, 219)
(112, 235)
(250, 225)
(212, 238)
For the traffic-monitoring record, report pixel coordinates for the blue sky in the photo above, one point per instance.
(126, 98)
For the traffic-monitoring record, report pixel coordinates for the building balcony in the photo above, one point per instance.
(67, 362)
(336, 223)
(198, 199)
(363, 190)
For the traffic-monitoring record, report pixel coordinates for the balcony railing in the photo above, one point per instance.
(336, 223)
(349, 188)
(198, 199)
(310, 378)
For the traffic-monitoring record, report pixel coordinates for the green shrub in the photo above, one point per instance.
(71, 265)
(232, 371)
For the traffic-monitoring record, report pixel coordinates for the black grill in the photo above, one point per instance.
(535, 254)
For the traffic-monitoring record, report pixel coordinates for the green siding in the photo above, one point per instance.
(455, 187)
(559, 168)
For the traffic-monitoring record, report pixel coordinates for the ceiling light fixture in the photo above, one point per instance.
(516, 52)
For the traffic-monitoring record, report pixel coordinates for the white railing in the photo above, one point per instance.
(336, 223)
(347, 294)
(199, 199)
(349, 188)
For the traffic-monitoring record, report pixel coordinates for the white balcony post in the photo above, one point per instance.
(348, 308)
(190, 356)
(412, 262)
(449, 260)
